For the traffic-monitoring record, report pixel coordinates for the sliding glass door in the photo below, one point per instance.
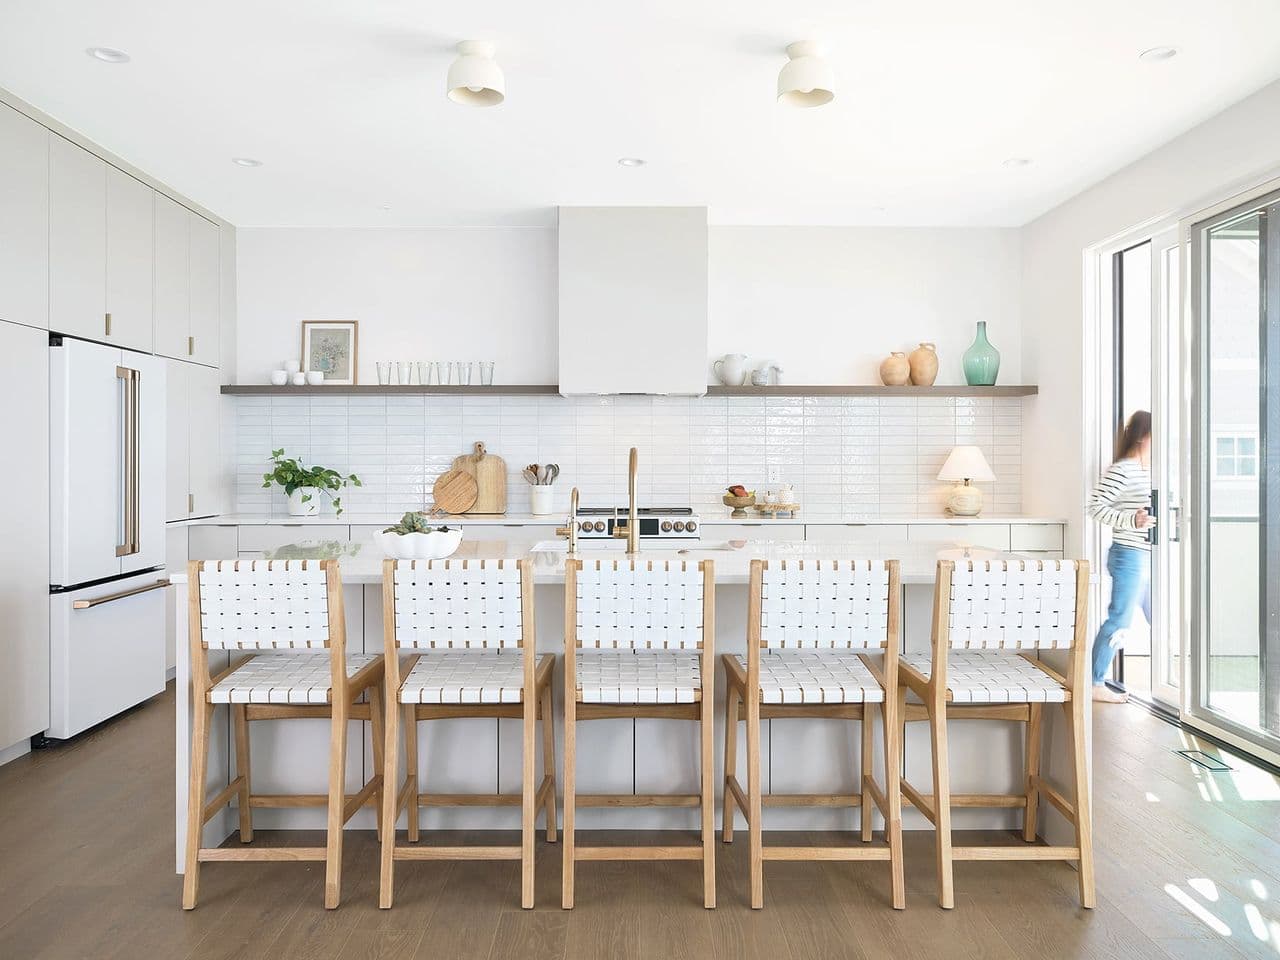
(1234, 474)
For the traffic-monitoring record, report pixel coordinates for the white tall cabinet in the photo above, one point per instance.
(24, 219)
(24, 549)
(194, 475)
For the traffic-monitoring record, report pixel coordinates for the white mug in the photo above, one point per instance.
(315, 377)
(731, 369)
(279, 377)
(299, 379)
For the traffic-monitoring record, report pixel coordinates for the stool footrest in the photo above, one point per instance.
(456, 853)
(637, 853)
(826, 853)
(811, 800)
(1029, 851)
(260, 853)
(637, 799)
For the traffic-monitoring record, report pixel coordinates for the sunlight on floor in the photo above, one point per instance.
(1205, 917)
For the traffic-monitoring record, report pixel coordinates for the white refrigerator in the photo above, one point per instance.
(107, 535)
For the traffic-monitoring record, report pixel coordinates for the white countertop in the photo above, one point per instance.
(555, 519)
(361, 563)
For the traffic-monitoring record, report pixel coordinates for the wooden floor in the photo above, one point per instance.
(1188, 866)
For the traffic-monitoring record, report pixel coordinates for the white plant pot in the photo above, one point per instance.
(419, 546)
(541, 499)
(309, 508)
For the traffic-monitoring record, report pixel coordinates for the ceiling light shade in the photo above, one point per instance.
(474, 78)
(806, 80)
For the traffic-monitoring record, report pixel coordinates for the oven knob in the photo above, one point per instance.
(666, 526)
(584, 526)
(691, 526)
(599, 526)
(679, 526)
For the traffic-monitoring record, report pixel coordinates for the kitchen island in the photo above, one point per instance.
(645, 755)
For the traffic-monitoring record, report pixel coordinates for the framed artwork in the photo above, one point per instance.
(330, 346)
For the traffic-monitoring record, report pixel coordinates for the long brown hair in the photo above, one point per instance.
(1135, 431)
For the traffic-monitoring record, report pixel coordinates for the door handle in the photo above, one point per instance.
(112, 597)
(107, 331)
(1172, 533)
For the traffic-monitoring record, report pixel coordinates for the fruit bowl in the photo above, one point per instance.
(739, 504)
(435, 545)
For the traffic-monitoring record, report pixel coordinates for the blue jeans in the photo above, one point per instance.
(1130, 570)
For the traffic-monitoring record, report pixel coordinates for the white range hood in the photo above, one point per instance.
(633, 300)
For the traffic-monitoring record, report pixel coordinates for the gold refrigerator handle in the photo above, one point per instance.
(111, 597)
(132, 530)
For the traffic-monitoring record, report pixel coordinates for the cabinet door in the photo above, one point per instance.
(886, 533)
(24, 220)
(24, 549)
(203, 405)
(206, 290)
(172, 280)
(77, 241)
(759, 530)
(177, 433)
(993, 536)
(130, 252)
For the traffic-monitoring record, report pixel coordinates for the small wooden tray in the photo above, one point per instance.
(773, 509)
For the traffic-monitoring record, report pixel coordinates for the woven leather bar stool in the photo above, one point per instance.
(289, 614)
(470, 629)
(812, 629)
(639, 642)
(990, 621)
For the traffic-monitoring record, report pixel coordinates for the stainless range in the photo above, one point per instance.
(655, 523)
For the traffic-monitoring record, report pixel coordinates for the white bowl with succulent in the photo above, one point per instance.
(414, 538)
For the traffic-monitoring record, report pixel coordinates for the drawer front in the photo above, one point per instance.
(1035, 536)
(856, 532)
(994, 536)
(259, 537)
(753, 531)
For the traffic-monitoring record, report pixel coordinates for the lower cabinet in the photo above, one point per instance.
(753, 531)
(885, 533)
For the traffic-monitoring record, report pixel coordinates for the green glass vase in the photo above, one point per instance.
(981, 360)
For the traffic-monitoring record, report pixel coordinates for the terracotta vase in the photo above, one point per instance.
(924, 364)
(895, 370)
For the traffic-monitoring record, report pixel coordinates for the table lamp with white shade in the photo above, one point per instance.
(965, 465)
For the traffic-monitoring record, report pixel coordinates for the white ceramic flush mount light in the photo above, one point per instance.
(475, 79)
(806, 80)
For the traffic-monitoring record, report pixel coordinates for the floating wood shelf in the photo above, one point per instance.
(527, 389)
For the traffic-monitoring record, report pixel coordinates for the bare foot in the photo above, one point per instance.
(1104, 694)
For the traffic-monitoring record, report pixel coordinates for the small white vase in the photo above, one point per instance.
(541, 499)
(309, 508)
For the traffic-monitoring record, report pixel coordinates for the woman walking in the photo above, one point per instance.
(1121, 501)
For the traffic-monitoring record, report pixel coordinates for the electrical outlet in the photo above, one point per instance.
(774, 475)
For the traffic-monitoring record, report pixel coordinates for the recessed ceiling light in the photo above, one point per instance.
(1013, 162)
(630, 162)
(1156, 54)
(384, 206)
(108, 55)
(246, 162)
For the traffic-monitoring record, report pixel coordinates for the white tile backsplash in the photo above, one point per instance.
(876, 456)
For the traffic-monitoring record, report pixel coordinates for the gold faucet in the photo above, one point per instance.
(633, 523)
(570, 530)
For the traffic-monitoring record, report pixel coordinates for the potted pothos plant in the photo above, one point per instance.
(304, 486)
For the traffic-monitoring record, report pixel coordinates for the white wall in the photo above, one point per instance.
(1236, 148)
(827, 302)
(470, 293)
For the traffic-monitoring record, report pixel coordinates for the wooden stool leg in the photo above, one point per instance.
(893, 798)
(390, 796)
(241, 725)
(528, 813)
(570, 785)
(708, 724)
(755, 788)
(549, 760)
(1083, 808)
(868, 728)
(410, 716)
(942, 804)
(378, 742)
(337, 801)
(202, 715)
(731, 701)
(1032, 772)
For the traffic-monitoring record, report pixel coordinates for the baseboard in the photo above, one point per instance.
(19, 749)
(170, 674)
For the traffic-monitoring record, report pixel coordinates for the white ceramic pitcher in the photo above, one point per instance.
(731, 369)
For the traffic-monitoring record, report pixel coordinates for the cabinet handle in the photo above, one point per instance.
(191, 503)
(107, 332)
(86, 604)
(191, 346)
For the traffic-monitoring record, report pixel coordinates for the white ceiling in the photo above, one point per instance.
(344, 102)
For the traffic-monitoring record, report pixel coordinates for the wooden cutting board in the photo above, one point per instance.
(490, 474)
(454, 491)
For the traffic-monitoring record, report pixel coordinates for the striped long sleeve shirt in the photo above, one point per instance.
(1122, 491)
